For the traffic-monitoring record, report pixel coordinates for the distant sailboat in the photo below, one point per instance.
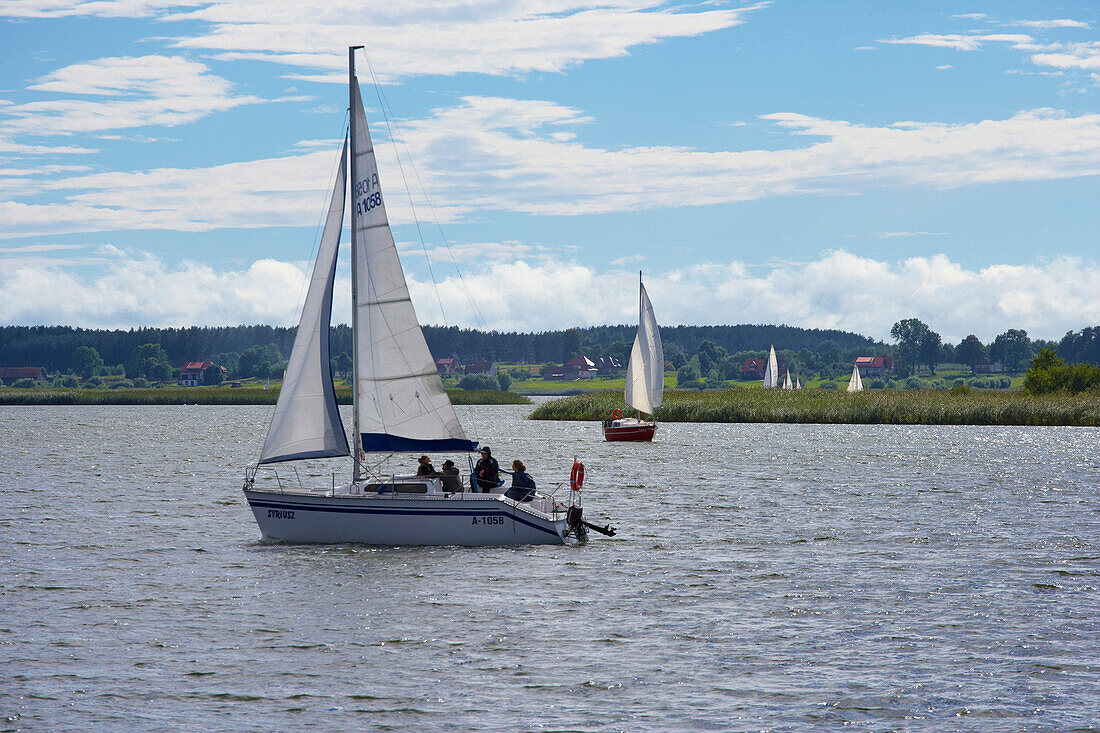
(855, 384)
(398, 406)
(798, 383)
(645, 378)
(771, 373)
(787, 381)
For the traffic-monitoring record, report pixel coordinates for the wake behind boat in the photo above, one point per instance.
(399, 405)
(645, 379)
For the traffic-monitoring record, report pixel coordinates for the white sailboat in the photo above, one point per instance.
(798, 383)
(645, 378)
(771, 372)
(855, 384)
(399, 405)
(787, 384)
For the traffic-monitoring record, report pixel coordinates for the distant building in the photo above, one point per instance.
(875, 366)
(553, 372)
(755, 368)
(607, 364)
(482, 367)
(193, 373)
(994, 368)
(10, 374)
(581, 367)
(447, 367)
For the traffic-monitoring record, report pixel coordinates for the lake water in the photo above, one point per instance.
(765, 577)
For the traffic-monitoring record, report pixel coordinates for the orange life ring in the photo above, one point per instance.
(616, 414)
(576, 477)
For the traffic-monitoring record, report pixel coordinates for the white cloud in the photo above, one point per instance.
(147, 90)
(961, 42)
(451, 37)
(971, 16)
(26, 9)
(511, 161)
(1045, 24)
(944, 67)
(838, 290)
(1080, 56)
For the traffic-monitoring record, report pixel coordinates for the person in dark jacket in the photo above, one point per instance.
(426, 468)
(523, 486)
(449, 477)
(487, 471)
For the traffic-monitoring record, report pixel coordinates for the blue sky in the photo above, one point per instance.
(816, 164)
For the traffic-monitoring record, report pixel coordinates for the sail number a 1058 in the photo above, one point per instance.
(488, 520)
(362, 206)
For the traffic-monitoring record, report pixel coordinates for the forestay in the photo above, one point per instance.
(645, 373)
(306, 422)
(400, 401)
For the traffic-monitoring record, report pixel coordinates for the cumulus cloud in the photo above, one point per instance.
(1080, 56)
(510, 160)
(415, 37)
(838, 290)
(136, 91)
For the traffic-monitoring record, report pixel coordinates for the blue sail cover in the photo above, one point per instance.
(386, 443)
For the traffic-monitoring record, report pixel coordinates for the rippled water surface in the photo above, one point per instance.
(765, 577)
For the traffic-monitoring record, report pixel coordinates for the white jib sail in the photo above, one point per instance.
(771, 373)
(399, 395)
(306, 423)
(798, 383)
(855, 384)
(787, 384)
(645, 373)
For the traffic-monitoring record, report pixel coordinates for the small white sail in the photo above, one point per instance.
(798, 383)
(855, 384)
(645, 373)
(771, 373)
(400, 401)
(787, 381)
(306, 423)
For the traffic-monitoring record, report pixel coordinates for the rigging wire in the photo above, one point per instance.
(395, 137)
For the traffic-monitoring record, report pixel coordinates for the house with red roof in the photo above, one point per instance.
(447, 367)
(10, 374)
(582, 367)
(482, 367)
(193, 373)
(875, 366)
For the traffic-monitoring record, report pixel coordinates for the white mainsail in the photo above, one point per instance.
(771, 373)
(855, 384)
(306, 423)
(645, 373)
(399, 396)
(798, 383)
(787, 381)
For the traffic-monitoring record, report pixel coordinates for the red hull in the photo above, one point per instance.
(638, 433)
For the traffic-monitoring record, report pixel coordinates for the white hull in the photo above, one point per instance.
(396, 519)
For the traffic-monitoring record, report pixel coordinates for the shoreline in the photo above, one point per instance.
(211, 396)
(878, 407)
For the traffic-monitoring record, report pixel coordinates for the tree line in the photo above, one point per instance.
(713, 353)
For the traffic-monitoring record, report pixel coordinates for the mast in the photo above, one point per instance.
(358, 441)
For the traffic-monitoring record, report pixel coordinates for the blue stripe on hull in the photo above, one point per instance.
(400, 512)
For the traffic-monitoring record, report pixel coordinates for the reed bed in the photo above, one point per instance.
(914, 407)
(211, 396)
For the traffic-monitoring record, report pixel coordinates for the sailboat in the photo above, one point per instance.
(855, 384)
(771, 373)
(787, 384)
(645, 378)
(798, 383)
(399, 405)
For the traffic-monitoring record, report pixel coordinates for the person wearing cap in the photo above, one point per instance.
(487, 471)
(425, 468)
(523, 486)
(449, 477)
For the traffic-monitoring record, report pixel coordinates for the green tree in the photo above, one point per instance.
(930, 349)
(149, 361)
(86, 361)
(674, 356)
(570, 344)
(909, 333)
(710, 356)
(1011, 348)
(479, 381)
(971, 352)
(259, 361)
(505, 381)
(212, 375)
(343, 363)
(688, 374)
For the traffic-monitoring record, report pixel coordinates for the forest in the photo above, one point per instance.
(697, 352)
